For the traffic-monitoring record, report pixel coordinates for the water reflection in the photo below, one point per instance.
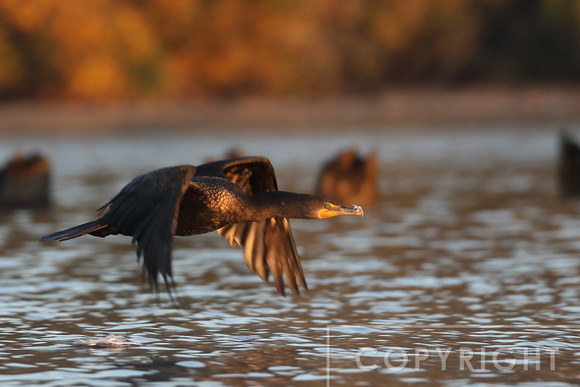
(469, 253)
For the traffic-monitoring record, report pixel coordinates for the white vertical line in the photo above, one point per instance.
(328, 356)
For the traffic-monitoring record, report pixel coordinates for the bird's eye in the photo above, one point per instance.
(327, 206)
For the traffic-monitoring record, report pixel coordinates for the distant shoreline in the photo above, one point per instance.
(410, 107)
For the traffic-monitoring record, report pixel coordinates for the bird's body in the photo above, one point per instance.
(238, 197)
(220, 205)
(569, 166)
(25, 183)
(349, 177)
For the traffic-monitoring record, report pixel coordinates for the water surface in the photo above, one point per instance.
(466, 272)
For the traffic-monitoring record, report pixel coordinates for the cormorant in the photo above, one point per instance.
(237, 197)
(348, 177)
(25, 182)
(232, 153)
(568, 166)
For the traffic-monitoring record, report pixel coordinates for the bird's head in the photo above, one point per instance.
(327, 209)
(316, 207)
(281, 204)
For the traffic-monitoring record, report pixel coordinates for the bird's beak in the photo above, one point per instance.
(334, 210)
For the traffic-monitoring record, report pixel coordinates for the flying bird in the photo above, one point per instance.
(237, 197)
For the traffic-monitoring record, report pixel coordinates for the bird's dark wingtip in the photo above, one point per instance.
(281, 289)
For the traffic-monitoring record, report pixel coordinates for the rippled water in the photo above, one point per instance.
(466, 273)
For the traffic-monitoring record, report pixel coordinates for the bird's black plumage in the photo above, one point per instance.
(237, 197)
(568, 166)
(350, 177)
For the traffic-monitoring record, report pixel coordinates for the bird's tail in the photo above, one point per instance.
(74, 232)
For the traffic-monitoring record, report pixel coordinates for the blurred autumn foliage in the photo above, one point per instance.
(123, 49)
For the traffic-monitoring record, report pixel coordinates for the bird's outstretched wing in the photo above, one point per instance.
(268, 245)
(147, 208)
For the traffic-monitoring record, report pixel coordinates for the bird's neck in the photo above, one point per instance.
(277, 204)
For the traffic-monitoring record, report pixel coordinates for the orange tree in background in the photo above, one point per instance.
(92, 49)
(123, 49)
